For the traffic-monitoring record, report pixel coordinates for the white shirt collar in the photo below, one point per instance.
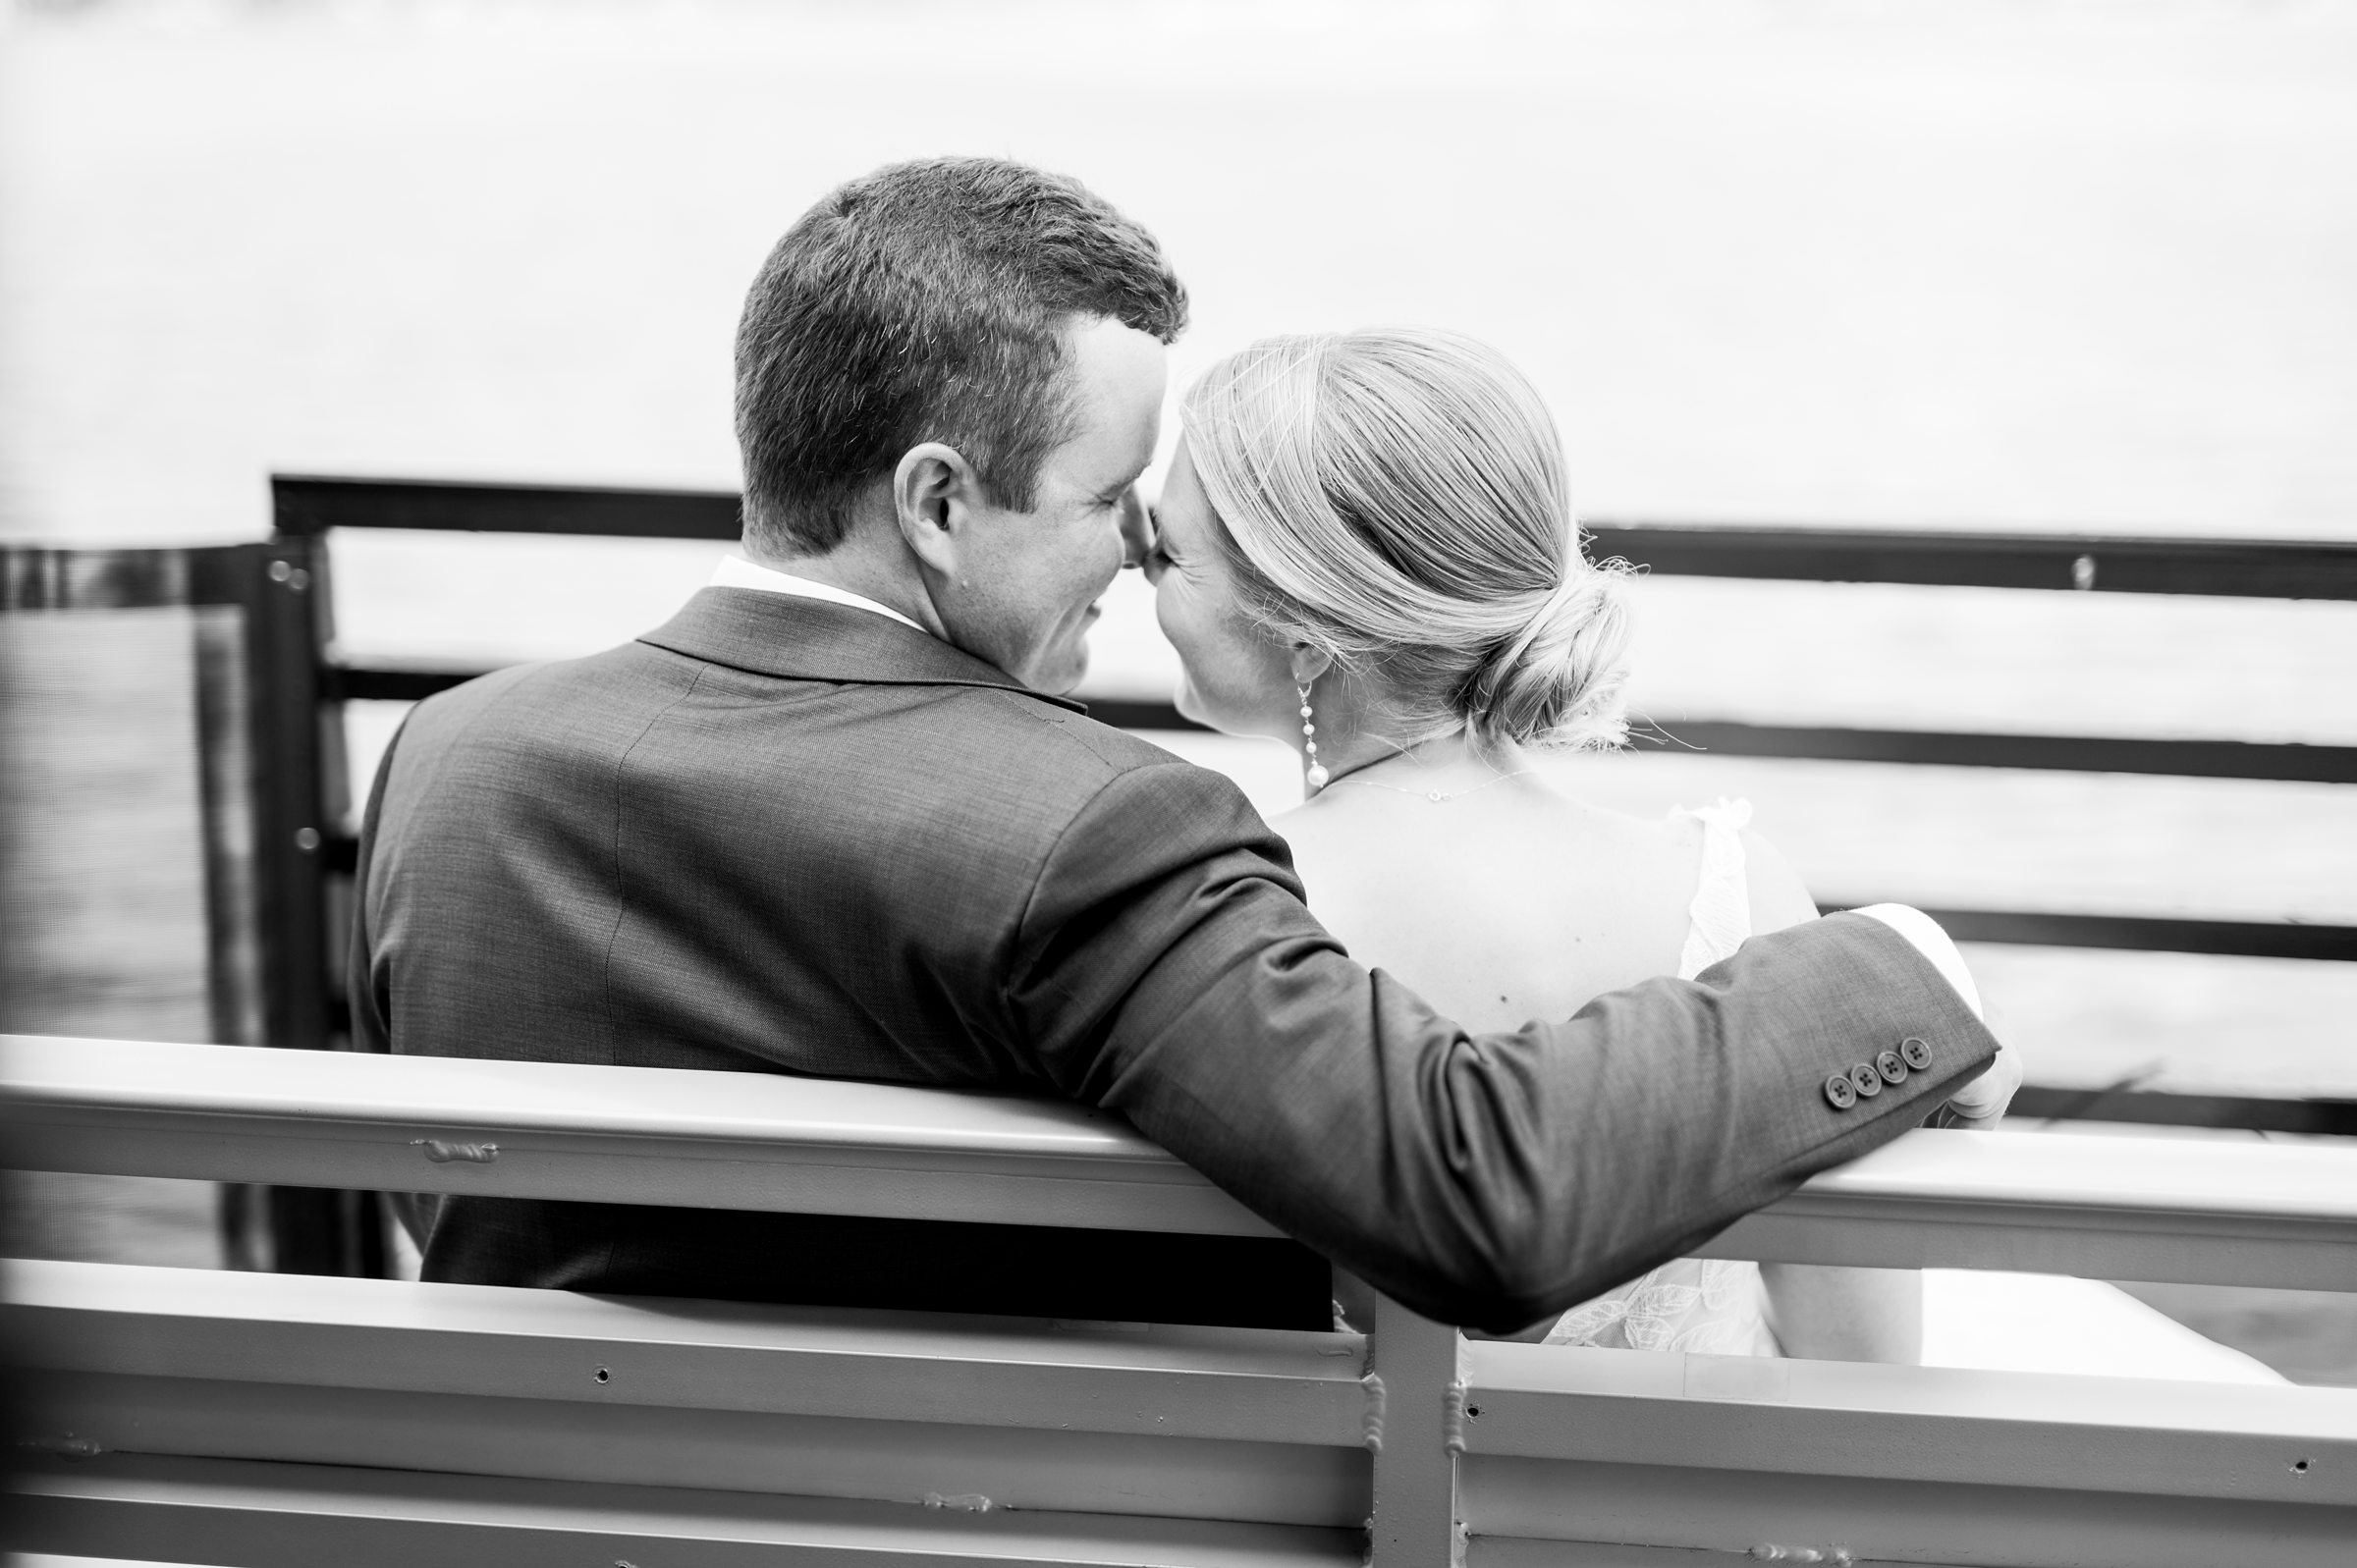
(738, 572)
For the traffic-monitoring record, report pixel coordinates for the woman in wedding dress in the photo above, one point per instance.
(1366, 548)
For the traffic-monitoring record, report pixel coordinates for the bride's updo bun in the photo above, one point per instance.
(1397, 498)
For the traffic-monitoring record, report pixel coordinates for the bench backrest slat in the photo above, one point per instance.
(2258, 1213)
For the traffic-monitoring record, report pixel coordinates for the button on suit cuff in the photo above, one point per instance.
(1924, 935)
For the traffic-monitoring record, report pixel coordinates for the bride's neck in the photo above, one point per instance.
(1358, 751)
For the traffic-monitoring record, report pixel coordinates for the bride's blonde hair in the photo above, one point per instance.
(1397, 498)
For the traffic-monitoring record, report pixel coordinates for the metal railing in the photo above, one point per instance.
(307, 510)
(254, 1418)
(256, 773)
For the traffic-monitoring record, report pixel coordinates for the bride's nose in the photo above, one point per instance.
(1137, 528)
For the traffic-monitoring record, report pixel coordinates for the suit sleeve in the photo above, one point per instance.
(364, 986)
(1167, 968)
(368, 988)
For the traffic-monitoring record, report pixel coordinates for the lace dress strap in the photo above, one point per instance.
(1719, 917)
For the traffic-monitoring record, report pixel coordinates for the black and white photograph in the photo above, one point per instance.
(1213, 783)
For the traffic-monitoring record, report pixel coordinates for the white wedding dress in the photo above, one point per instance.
(1987, 1320)
(1712, 1305)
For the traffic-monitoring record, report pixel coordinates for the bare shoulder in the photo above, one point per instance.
(1778, 897)
(1496, 840)
(1301, 822)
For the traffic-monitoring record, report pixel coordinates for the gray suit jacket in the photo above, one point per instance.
(779, 835)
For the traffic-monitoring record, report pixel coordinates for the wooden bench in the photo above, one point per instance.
(263, 1420)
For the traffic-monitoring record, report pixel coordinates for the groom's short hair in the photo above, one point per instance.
(926, 302)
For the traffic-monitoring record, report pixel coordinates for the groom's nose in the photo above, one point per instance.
(1137, 528)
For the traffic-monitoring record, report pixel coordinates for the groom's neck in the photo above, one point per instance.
(868, 564)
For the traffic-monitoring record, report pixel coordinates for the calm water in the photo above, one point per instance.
(2074, 265)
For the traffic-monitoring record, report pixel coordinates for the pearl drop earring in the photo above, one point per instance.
(1315, 777)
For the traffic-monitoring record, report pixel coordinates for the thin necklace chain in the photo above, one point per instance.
(1432, 794)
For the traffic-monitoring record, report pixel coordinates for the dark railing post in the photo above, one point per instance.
(312, 1231)
(290, 825)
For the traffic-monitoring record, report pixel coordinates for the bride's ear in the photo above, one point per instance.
(1309, 664)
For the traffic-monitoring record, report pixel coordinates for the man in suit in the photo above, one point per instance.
(835, 818)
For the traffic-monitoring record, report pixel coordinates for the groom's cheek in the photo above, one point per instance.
(1063, 665)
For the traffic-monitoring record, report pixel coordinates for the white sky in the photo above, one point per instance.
(1988, 263)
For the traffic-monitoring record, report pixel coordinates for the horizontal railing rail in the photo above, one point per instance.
(2288, 762)
(2245, 938)
(2319, 1116)
(307, 507)
(2082, 563)
(2166, 1211)
(2268, 569)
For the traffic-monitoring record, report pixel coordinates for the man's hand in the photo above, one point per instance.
(1981, 1103)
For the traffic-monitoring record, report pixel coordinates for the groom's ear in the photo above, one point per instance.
(935, 492)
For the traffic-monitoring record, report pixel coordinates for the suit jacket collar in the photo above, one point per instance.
(810, 640)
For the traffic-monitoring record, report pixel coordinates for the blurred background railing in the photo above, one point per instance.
(308, 510)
